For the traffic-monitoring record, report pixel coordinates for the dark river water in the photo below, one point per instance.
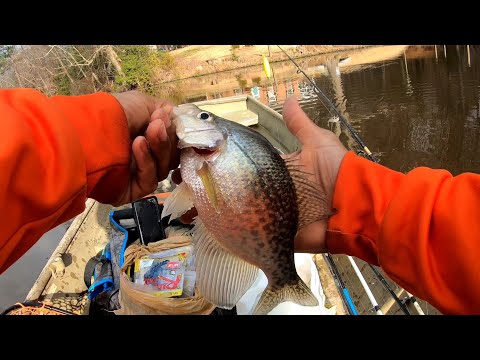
(413, 106)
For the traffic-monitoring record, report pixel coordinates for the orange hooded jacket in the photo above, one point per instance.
(422, 227)
(54, 153)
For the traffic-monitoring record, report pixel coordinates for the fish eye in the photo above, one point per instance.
(204, 116)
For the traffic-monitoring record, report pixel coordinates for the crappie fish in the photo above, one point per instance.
(247, 201)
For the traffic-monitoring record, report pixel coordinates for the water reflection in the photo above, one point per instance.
(413, 105)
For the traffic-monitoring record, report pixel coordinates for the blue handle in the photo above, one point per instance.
(350, 302)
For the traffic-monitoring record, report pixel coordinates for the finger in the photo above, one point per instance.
(161, 114)
(153, 104)
(297, 121)
(160, 146)
(175, 151)
(166, 105)
(145, 179)
(176, 176)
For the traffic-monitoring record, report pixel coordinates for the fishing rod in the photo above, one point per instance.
(415, 303)
(338, 279)
(387, 287)
(330, 107)
(365, 286)
(391, 301)
(409, 299)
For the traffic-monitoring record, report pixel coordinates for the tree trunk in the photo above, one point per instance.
(20, 84)
(114, 60)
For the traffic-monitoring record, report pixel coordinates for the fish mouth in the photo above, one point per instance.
(204, 152)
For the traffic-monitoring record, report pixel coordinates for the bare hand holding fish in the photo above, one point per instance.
(251, 204)
(321, 155)
(153, 148)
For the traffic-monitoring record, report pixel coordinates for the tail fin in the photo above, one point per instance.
(297, 292)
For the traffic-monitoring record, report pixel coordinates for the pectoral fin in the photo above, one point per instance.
(178, 203)
(209, 184)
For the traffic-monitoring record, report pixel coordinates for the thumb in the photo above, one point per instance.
(154, 103)
(297, 121)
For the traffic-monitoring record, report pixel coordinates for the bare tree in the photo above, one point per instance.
(56, 69)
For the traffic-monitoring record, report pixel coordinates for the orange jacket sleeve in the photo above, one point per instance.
(422, 228)
(54, 153)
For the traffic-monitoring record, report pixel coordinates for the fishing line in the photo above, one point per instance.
(333, 110)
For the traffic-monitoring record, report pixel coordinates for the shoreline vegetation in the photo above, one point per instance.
(83, 69)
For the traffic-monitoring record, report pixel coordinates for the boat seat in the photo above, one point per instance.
(245, 117)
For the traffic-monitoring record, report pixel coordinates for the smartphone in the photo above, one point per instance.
(146, 214)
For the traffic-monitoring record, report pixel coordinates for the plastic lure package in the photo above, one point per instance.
(163, 273)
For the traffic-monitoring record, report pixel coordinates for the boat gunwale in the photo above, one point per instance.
(45, 275)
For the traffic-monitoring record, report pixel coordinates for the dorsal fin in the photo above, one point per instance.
(311, 199)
